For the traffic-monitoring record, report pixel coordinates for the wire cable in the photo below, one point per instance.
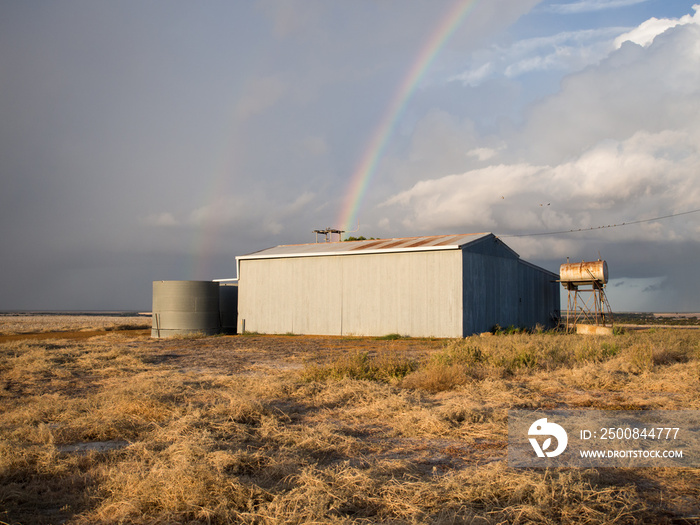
(561, 232)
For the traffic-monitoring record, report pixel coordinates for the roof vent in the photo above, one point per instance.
(328, 234)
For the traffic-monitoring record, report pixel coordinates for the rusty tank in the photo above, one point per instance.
(575, 274)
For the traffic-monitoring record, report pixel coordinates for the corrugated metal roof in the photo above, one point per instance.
(433, 242)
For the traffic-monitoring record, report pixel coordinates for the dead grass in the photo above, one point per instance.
(28, 323)
(232, 430)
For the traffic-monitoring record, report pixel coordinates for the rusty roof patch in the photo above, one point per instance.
(400, 242)
(432, 242)
(369, 245)
(450, 239)
(420, 242)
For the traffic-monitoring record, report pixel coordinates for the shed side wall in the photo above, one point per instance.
(540, 298)
(294, 295)
(416, 294)
(490, 289)
(500, 288)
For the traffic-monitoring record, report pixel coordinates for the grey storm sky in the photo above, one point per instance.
(158, 140)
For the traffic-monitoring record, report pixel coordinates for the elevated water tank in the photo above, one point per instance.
(185, 307)
(583, 273)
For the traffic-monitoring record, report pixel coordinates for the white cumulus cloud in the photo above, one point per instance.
(650, 29)
(645, 176)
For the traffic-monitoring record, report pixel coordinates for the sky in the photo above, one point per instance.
(142, 141)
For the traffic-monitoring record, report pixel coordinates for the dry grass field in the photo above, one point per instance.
(32, 323)
(121, 428)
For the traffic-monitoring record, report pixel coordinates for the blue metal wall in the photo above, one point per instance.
(500, 289)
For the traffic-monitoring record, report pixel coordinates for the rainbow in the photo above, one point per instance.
(206, 236)
(367, 166)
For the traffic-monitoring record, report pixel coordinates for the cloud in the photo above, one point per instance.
(587, 6)
(640, 294)
(477, 75)
(652, 89)
(645, 176)
(301, 202)
(655, 286)
(234, 127)
(292, 17)
(619, 142)
(470, 201)
(240, 211)
(650, 29)
(482, 154)
(257, 214)
(565, 51)
(260, 93)
(314, 146)
(161, 219)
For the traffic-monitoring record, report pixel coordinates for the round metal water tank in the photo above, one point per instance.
(185, 307)
(584, 273)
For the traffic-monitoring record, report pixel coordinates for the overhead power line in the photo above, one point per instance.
(561, 232)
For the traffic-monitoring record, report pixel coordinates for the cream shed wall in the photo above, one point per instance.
(414, 293)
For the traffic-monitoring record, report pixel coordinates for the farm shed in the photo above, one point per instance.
(440, 286)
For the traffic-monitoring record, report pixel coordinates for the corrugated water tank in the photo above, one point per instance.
(185, 307)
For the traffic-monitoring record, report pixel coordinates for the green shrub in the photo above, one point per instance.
(510, 330)
(390, 337)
